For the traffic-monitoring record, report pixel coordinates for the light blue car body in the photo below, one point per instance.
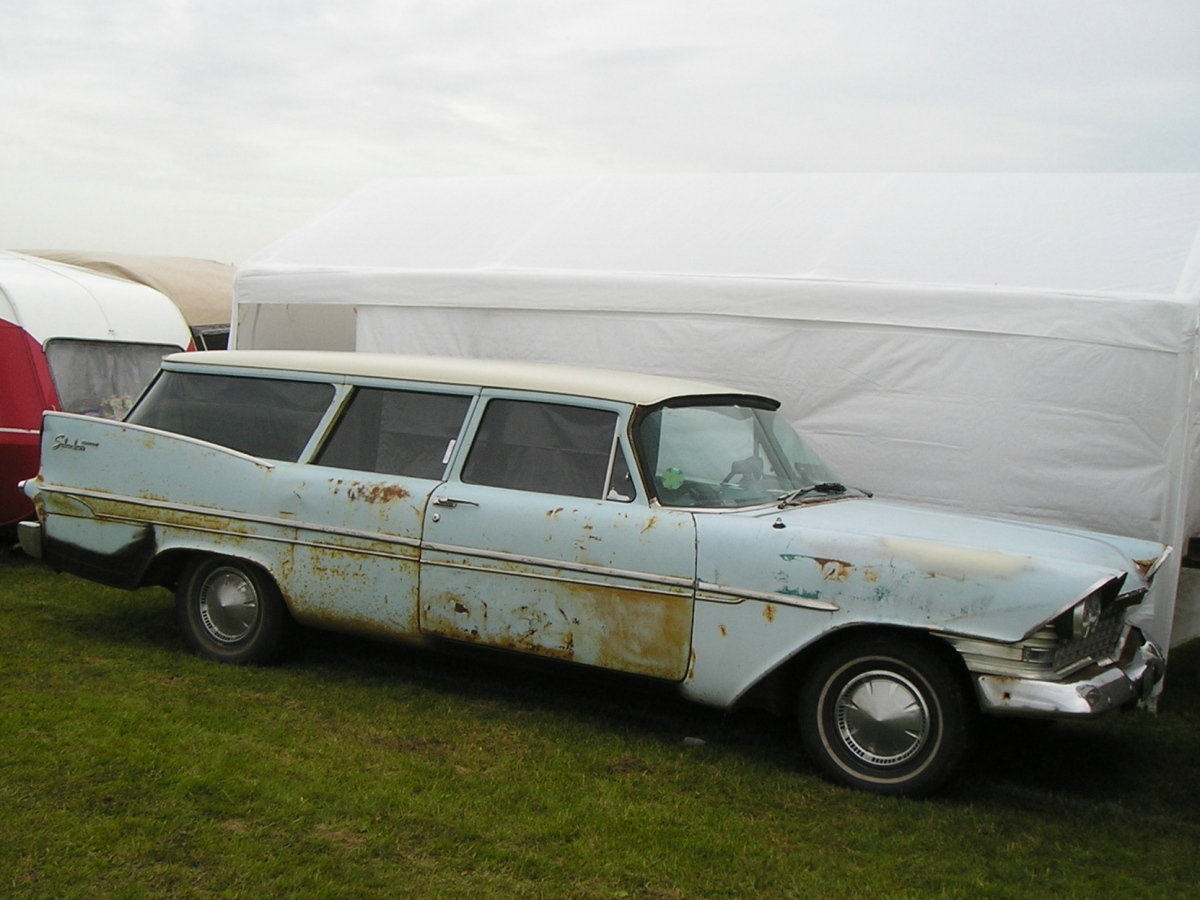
(715, 600)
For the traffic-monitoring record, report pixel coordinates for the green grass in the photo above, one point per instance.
(130, 768)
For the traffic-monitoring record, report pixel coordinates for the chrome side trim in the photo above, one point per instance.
(280, 522)
(539, 562)
(281, 539)
(716, 593)
(642, 588)
(664, 582)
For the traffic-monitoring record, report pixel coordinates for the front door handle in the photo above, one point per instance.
(451, 502)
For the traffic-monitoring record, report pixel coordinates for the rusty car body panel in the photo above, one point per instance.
(849, 563)
(718, 591)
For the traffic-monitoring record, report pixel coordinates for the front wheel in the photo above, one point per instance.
(885, 715)
(230, 610)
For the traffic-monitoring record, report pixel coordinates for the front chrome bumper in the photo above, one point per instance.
(1098, 689)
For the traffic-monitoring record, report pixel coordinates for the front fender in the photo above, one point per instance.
(804, 573)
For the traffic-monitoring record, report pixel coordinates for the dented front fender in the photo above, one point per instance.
(807, 571)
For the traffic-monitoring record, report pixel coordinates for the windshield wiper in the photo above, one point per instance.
(825, 487)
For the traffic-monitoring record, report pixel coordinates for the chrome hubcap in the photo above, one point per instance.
(882, 718)
(228, 605)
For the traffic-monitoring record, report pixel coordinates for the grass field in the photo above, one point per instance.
(129, 768)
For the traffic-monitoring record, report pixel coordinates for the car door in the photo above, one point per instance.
(359, 508)
(543, 543)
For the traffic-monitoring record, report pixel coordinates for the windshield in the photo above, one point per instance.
(725, 455)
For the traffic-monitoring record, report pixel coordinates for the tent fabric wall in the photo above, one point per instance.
(1015, 345)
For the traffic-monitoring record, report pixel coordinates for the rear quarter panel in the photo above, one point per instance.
(114, 495)
(343, 546)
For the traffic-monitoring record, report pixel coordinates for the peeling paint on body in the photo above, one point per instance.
(625, 630)
(376, 493)
(955, 562)
(834, 569)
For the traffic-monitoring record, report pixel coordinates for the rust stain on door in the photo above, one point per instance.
(615, 628)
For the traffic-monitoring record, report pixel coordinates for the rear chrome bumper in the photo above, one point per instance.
(1098, 689)
(30, 536)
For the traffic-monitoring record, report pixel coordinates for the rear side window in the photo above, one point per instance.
(266, 417)
(396, 432)
(546, 447)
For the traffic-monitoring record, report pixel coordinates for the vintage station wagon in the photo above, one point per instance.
(673, 530)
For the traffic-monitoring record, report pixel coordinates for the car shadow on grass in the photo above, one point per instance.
(520, 683)
(1131, 759)
(1124, 758)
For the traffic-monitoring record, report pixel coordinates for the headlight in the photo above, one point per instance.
(1085, 617)
(1080, 621)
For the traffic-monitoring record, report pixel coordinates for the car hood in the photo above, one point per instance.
(889, 562)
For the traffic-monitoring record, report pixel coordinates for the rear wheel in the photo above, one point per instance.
(886, 715)
(231, 610)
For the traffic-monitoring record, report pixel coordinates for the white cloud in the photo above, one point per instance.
(210, 128)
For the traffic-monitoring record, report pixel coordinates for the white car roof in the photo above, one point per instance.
(607, 384)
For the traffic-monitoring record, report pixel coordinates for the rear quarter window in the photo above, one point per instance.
(267, 417)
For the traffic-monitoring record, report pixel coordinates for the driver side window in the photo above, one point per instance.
(550, 448)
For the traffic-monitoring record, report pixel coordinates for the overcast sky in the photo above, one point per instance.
(212, 127)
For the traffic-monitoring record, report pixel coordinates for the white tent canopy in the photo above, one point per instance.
(1020, 345)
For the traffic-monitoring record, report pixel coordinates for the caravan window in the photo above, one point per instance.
(267, 417)
(102, 378)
